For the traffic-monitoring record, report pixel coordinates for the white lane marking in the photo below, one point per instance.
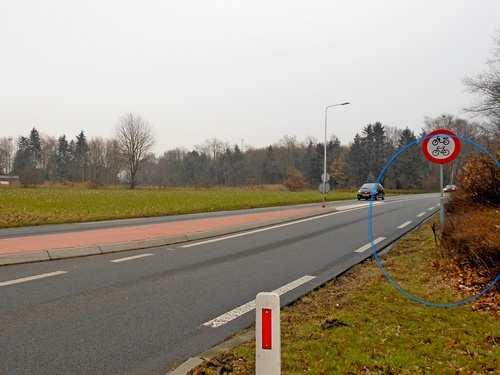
(431, 208)
(249, 306)
(369, 245)
(217, 239)
(344, 209)
(406, 223)
(31, 278)
(130, 258)
(421, 214)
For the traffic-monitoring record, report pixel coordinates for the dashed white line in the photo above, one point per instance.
(343, 208)
(131, 258)
(405, 224)
(431, 208)
(249, 306)
(31, 278)
(369, 245)
(217, 239)
(421, 214)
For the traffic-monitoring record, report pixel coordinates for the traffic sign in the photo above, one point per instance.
(323, 177)
(441, 146)
(324, 188)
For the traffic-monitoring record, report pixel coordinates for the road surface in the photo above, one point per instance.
(142, 312)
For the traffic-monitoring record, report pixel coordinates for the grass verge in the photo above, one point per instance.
(358, 324)
(52, 205)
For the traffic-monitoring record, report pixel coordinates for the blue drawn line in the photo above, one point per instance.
(373, 246)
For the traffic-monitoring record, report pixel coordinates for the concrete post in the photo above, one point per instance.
(267, 334)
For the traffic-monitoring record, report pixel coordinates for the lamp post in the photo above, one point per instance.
(9, 155)
(324, 153)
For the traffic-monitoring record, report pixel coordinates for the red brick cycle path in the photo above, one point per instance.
(79, 238)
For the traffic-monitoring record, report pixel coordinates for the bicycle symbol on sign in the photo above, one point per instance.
(440, 143)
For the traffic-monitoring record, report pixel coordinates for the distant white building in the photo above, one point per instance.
(123, 177)
(9, 180)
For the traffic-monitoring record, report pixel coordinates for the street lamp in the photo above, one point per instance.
(9, 155)
(324, 154)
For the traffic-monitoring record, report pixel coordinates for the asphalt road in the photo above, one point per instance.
(141, 312)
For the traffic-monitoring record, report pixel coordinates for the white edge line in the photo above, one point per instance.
(249, 306)
(369, 245)
(365, 205)
(262, 229)
(217, 239)
(130, 258)
(406, 223)
(31, 278)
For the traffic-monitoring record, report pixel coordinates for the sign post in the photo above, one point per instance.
(441, 199)
(324, 187)
(441, 146)
(267, 334)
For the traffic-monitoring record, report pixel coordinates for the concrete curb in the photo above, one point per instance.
(75, 252)
(24, 258)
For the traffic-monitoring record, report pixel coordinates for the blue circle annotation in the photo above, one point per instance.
(373, 246)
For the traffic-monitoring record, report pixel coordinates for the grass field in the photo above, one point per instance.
(49, 205)
(383, 333)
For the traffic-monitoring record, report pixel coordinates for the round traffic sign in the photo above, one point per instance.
(441, 146)
(324, 188)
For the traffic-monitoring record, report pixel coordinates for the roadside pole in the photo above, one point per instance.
(324, 160)
(267, 334)
(324, 189)
(441, 205)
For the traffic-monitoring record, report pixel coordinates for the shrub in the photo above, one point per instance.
(31, 176)
(480, 180)
(294, 181)
(471, 235)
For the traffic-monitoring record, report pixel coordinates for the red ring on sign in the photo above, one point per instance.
(453, 155)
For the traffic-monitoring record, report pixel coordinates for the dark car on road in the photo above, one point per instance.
(371, 191)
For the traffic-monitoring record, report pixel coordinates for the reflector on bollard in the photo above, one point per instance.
(267, 335)
(267, 340)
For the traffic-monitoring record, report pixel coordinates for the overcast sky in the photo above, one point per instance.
(251, 70)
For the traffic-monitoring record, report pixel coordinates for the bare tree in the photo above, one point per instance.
(48, 162)
(135, 139)
(393, 134)
(487, 86)
(6, 155)
(113, 161)
(97, 163)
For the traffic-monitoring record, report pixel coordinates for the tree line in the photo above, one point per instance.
(126, 159)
